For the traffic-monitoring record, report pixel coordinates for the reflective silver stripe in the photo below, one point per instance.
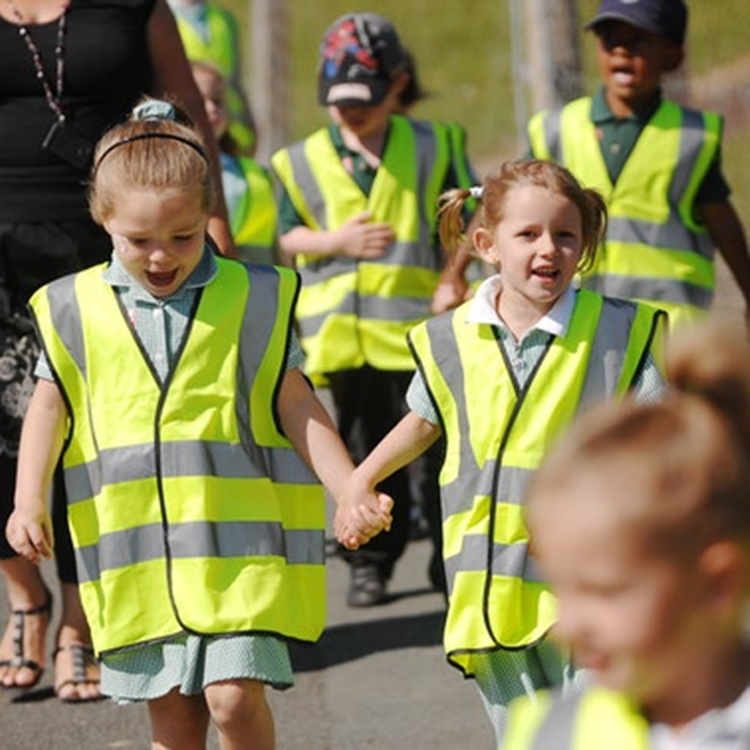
(673, 234)
(307, 184)
(666, 290)
(257, 322)
(512, 484)
(282, 463)
(552, 135)
(692, 135)
(183, 459)
(112, 466)
(608, 350)
(510, 560)
(391, 309)
(556, 729)
(400, 253)
(200, 539)
(117, 550)
(66, 316)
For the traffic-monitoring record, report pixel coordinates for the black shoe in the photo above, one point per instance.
(366, 586)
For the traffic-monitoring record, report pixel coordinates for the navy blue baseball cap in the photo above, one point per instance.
(668, 17)
(359, 56)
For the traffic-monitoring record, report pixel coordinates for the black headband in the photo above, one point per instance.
(141, 136)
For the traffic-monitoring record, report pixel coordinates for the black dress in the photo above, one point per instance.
(45, 227)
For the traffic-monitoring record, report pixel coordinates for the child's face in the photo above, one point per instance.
(368, 121)
(630, 616)
(213, 91)
(632, 62)
(536, 247)
(159, 236)
(364, 122)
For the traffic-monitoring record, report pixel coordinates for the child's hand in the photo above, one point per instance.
(30, 533)
(361, 238)
(359, 519)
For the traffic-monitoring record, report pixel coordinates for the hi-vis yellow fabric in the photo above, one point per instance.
(656, 250)
(592, 720)
(189, 510)
(355, 312)
(496, 435)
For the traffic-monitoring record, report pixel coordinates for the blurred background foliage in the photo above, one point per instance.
(465, 58)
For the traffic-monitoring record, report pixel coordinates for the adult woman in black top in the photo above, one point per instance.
(69, 72)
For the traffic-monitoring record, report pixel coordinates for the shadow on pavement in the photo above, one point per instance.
(351, 641)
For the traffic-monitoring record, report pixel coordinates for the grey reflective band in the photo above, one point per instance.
(182, 459)
(508, 560)
(556, 730)
(672, 234)
(400, 253)
(204, 539)
(608, 351)
(657, 289)
(512, 484)
(552, 138)
(66, 314)
(692, 136)
(389, 309)
(305, 180)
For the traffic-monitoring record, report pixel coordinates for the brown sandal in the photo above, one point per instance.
(19, 659)
(83, 659)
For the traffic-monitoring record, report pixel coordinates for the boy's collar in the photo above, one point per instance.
(337, 138)
(601, 112)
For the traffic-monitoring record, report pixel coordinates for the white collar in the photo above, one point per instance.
(483, 308)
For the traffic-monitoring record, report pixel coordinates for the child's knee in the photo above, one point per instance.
(235, 702)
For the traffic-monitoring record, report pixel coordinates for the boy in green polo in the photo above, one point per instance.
(357, 216)
(658, 164)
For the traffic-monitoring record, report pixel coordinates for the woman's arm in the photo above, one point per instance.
(173, 79)
(29, 528)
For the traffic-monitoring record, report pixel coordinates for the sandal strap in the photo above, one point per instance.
(20, 661)
(19, 625)
(81, 655)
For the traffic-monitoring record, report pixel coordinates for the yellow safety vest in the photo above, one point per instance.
(253, 220)
(219, 46)
(592, 720)
(655, 249)
(496, 435)
(355, 312)
(189, 510)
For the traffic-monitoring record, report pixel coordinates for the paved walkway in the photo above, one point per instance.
(377, 679)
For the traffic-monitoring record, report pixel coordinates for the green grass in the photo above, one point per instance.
(463, 50)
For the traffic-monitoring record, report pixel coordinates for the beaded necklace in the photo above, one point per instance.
(53, 100)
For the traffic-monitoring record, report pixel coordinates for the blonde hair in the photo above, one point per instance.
(499, 183)
(155, 154)
(684, 461)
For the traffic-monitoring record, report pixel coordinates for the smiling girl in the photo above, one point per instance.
(500, 376)
(170, 386)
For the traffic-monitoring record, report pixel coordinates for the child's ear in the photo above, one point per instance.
(398, 84)
(484, 244)
(675, 54)
(723, 568)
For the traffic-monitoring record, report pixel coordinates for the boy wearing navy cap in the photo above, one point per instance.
(657, 163)
(357, 214)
